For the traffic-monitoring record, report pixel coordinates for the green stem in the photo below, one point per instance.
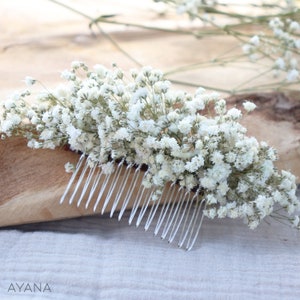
(275, 85)
(201, 85)
(212, 62)
(176, 31)
(252, 19)
(252, 79)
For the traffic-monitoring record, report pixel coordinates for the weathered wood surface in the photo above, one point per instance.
(32, 182)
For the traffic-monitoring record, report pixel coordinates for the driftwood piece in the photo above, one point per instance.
(32, 183)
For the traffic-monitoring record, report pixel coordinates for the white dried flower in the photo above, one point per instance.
(29, 81)
(69, 167)
(255, 41)
(292, 75)
(122, 134)
(185, 125)
(66, 74)
(296, 222)
(280, 63)
(234, 113)
(196, 163)
(294, 26)
(249, 106)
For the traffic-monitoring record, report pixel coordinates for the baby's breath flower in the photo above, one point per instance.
(254, 41)
(292, 75)
(253, 223)
(6, 126)
(294, 26)
(248, 49)
(76, 64)
(296, 222)
(148, 126)
(249, 106)
(234, 113)
(69, 167)
(29, 81)
(68, 75)
(194, 164)
(220, 107)
(217, 157)
(185, 125)
(280, 63)
(108, 168)
(178, 166)
(9, 103)
(208, 183)
(122, 134)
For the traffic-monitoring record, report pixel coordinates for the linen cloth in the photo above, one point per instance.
(100, 258)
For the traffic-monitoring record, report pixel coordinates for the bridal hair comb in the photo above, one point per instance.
(147, 146)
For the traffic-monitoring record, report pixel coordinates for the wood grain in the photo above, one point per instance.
(32, 182)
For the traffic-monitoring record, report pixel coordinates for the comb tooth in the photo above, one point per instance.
(179, 216)
(115, 179)
(143, 210)
(180, 212)
(94, 187)
(78, 166)
(121, 190)
(190, 233)
(185, 227)
(79, 182)
(103, 187)
(165, 207)
(86, 185)
(192, 238)
(154, 208)
(135, 179)
(137, 200)
(172, 214)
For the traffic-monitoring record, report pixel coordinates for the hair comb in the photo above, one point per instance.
(180, 213)
(154, 150)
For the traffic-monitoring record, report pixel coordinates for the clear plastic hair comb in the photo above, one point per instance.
(179, 212)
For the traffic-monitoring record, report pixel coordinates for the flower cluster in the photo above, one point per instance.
(198, 8)
(193, 140)
(282, 47)
(276, 42)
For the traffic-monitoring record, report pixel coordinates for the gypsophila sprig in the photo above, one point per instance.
(273, 45)
(110, 115)
(281, 47)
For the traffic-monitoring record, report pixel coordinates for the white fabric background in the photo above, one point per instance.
(101, 258)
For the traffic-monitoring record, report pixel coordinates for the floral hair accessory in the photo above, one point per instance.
(193, 140)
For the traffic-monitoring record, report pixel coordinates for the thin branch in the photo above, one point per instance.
(105, 34)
